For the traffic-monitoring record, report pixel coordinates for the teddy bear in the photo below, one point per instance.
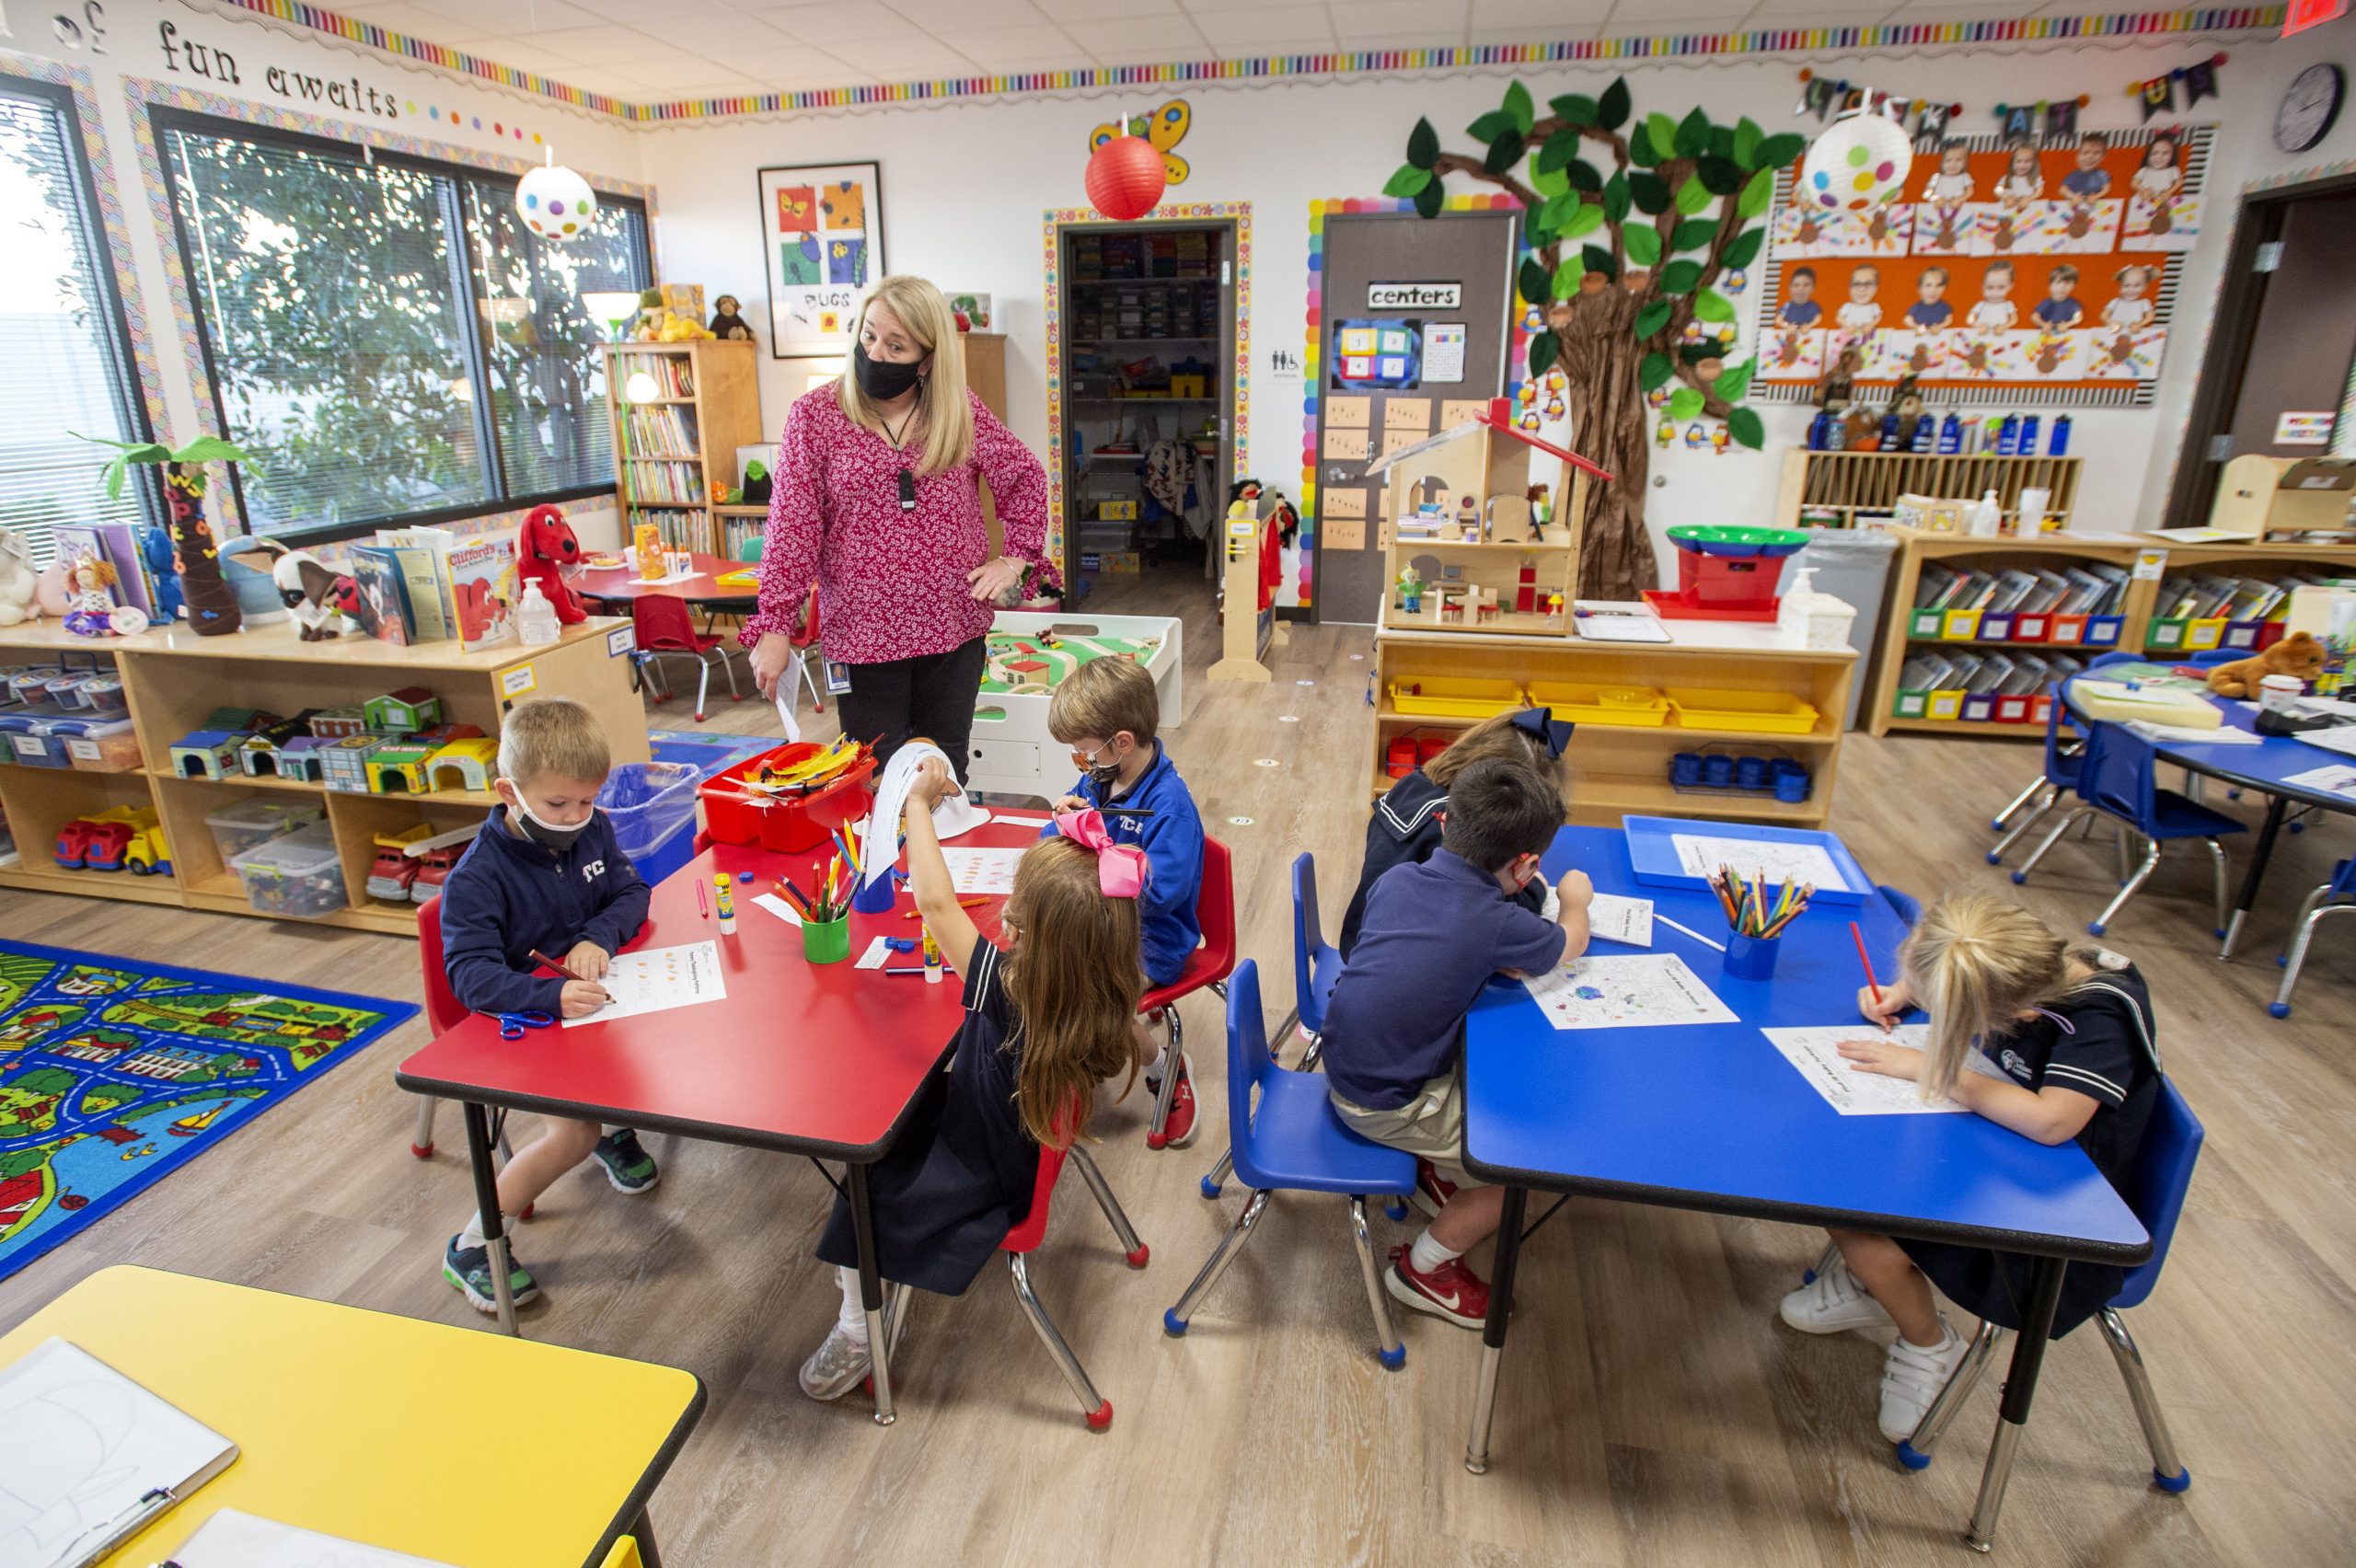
(2298, 654)
(19, 600)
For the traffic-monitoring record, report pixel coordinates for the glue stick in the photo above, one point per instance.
(726, 898)
(932, 959)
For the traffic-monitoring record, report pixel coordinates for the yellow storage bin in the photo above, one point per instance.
(1637, 707)
(1455, 696)
(1750, 712)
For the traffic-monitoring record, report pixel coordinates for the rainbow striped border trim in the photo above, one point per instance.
(1768, 41)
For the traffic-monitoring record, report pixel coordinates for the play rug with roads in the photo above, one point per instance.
(1029, 664)
(114, 1073)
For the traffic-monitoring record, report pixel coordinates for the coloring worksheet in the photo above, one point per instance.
(234, 1540)
(1815, 1054)
(657, 980)
(1777, 860)
(2336, 780)
(1616, 919)
(1637, 991)
(982, 870)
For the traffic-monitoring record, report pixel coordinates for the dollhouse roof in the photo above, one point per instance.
(1495, 421)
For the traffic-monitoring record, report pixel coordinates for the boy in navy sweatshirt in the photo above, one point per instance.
(545, 873)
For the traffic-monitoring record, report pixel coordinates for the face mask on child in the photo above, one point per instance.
(1104, 774)
(539, 829)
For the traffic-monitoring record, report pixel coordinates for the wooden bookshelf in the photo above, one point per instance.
(720, 413)
(173, 679)
(1847, 483)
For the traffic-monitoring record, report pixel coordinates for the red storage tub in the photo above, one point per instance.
(735, 814)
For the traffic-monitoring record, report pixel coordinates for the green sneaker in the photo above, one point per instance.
(468, 1269)
(629, 1167)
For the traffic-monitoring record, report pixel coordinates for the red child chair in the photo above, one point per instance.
(805, 642)
(443, 1013)
(662, 626)
(1209, 965)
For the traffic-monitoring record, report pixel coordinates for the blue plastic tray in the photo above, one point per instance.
(1654, 858)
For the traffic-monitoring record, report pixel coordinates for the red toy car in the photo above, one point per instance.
(108, 840)
(433, 868)
(73, 843)
(392, 874)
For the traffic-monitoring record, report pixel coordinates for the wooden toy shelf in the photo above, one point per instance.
(1846, 483)
(1623, 768)
(173, 679)
(721, 412)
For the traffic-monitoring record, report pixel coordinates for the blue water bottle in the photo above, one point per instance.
(1926, 434)
(2059, 447)
(1890, 431)
(2008, 436)
(2026, 445)
(1950, 436)
(1817, 428)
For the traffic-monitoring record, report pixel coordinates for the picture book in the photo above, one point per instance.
(116, 544)
(425, 572)
(482, 584)
(384, 601)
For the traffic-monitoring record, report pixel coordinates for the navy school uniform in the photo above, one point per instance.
(509, 894)
(2100, 1041)
(1405, 830)
(1172, 841)
(959, 1177)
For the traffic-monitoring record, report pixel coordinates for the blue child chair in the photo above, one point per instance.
(2048, 787)
(1316, 965)
(2117, 779)
(2336, 897)
(2162, 1174)
(1295, 1142)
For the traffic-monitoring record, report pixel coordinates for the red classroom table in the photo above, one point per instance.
(822, 1060)
(620, 584)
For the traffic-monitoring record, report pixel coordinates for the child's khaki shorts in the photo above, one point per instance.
(1430, 1126)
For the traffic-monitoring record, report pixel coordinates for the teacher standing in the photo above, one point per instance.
(878, 498)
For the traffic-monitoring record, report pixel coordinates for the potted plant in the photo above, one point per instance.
(208, 602)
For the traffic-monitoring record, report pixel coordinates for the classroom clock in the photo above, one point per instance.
(2309, 107)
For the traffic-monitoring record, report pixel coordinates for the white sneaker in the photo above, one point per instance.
(1833, 1302)
(835, 1367)
(1911, 1378)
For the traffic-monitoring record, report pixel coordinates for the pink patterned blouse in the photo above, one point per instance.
(891, 583)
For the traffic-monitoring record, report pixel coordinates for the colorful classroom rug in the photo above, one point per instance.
(114, 1073)
(713, 752)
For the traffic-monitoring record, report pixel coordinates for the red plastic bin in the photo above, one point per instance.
(734, 813)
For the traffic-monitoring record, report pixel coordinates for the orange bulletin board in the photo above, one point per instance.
(2049, 271)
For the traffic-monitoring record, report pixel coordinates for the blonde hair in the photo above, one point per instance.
(1976, 964)
(552, 737)
(1103, 698)
(944, 414)
(1074, 979)
(1496, 738)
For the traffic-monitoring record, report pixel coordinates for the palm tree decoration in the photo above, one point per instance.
(1621, 261)
(211, 603)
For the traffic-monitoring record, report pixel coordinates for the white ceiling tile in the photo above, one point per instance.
(1645, 18)
(947, 18)
(1556, 33)
(902, 58)
(604, 45)
(1103, 10)
(1201, 8)
(1433, 18)
(613, 83)
(675, 73)
(1356, 41)
(531, 57)
(1540, 19)
(415, 21)
(1961, 10)
(1815, 15)
(1003, 47)
(509, 18)
(1138, 39)
(1230, 32)
(851, 21)
(772, 65)
(1773, 12)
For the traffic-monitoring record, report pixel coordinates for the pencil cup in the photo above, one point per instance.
(1748, 958)
(827, 943)
(872, 898)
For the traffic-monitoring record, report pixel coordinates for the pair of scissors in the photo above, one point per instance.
(511, 1025)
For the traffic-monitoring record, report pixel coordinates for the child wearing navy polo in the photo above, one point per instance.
(1433, 934)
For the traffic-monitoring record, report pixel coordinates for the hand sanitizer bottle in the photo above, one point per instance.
(535, 618)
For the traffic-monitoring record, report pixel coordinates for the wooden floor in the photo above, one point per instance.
(1654, 1409)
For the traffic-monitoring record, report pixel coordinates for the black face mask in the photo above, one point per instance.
(883, 380)
(546, 835)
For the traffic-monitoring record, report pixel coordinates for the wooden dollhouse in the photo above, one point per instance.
(1471, 544)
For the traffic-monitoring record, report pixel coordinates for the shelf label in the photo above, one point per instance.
(27, 745)
(83, 751)
(517, 681)
(620, 641)
(2150, 564)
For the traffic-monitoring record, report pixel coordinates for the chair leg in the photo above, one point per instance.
(1173, 1321)
(897, 1299)
(1914, 1452)
(2119, 846)
(2142, 874)
(1155, 1137)
(2048, 842)
(1134, 1250)
(703, 685)
(1219, 1172)
(1313, 1054)
(817, 692)
(1096, 1409)
(2280, 1006)
(2021, 828)
(1281, 1036)
(728, 668)
(1388, 1350)
(2217, 857)
(421, 1142)
(2167, 1472)
(1996, 824)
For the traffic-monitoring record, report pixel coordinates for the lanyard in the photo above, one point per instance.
(907, 480)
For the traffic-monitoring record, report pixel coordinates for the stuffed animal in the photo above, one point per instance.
(19, 598)
(758, 486)
(543, 550)
(2298, 654)
(164, 577)
(726, 323)
(90, 607)
(324, 604)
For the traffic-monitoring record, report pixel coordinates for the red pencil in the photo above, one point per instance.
(1871, 984)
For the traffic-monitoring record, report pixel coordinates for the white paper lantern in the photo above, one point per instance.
(1860, 163)
(555, 203)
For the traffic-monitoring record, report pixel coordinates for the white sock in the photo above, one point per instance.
(1427, 1255)
(473, 1235)
(852, 1320)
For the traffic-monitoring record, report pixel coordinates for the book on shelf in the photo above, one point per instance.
(382, 593)
(115, 545)
(482, 582)
(664, 483)
(662, 429)
(674, 375)
(423, 555)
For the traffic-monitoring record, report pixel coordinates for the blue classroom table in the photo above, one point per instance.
(1711, 1117)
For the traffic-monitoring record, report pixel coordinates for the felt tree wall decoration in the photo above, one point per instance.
(1629, 231)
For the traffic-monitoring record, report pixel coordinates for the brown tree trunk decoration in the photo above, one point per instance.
(1599, 361)
(213, 608)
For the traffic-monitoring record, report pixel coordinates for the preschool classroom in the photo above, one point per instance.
(1493, 782)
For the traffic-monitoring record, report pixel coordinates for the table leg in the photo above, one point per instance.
(2020, 1388)
(871, 1294)
(644, 1534)
(2276, 808)
(1492, 1332)
(494, 1225)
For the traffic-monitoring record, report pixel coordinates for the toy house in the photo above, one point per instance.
(339, 723)
(300, 759)
(1467, 550)
(468, 764)
(257, 757)
(343, 764)
(443, 735)
(403, 711)
(242, 721)
(397, 766)
(206, 754)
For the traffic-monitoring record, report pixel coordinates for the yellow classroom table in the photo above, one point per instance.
(466, 1447)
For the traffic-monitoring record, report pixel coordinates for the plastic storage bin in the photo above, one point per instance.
(244, 825)
(734, 813)
(29, 690)
(652, 808)
(1750, 712)
(35, 741)
(103, 745)
(102, 695)
(1633, 707)
(1455, 696)
(298, 874)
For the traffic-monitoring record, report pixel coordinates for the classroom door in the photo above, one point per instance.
(1422, 306)
(2306, 334)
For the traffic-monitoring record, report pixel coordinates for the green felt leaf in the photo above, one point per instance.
(1491, 126)
(1518, 105)
(1407, 181)
(1548, 182)
(1656, 370)
(1615, 198)
(204, 449)
(1574, 109)
(1423, 144)
(1428, 199)
(1744, 425)
(1599, 261)
(1611, 108)
(1756, 194)
(1680, 276)
(1650, 192)
(1777, 151)
(1692, 135)
(1543, 350)
(1709, 305)
(1651, 319)
(1532, 281)
(1743, 249)
(1734, 381)
(114, 475)
(1504, 153)
(1721, 143)
(1640, 148)
(1748, 138)
(1559, 150)
(1558, 210)
(1693, 196)
(1584, 176)
(1694, 233)
(1642, 243)
(1718, 176)
(1585, 219)
(1694, 354)
(1661, 131)
(1567, 275)
(1685, 403)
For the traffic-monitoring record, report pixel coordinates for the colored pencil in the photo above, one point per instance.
(545, 962)
(703, 900)
(1871, 984)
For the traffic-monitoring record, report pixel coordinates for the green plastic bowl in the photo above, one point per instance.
(1724, 539)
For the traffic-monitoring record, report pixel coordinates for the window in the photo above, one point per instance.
(384, 336)
(60, 329)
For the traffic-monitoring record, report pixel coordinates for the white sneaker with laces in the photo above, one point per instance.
(835, 1367)
(1911, 1378)
(1833, 1302)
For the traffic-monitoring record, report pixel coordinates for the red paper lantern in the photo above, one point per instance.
(1126, 178)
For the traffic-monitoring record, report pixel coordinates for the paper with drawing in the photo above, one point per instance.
(1637, 991)
(982, 870)
(658, 979)
(1699, 855)
(1617, 919)
(1815, 1054)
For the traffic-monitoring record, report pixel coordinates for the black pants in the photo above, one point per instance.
(931, 697)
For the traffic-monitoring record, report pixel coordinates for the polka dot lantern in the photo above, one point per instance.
(1858, 164)
(555, 203)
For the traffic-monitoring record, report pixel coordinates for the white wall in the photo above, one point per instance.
(965, 185)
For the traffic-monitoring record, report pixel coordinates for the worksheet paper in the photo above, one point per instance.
(779, 907)
(1775, 858)
(2335, 780)
(1815, 1054)
(982, 870)
(657, 980)
(233, 1539)
(1640, 990)
(2341, 739)
(1618, 919)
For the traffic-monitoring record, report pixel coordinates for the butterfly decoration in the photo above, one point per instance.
(1165, 128)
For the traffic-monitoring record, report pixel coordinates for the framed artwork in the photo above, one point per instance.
(821, 227)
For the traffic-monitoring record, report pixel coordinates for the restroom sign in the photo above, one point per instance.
(1413, 297)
